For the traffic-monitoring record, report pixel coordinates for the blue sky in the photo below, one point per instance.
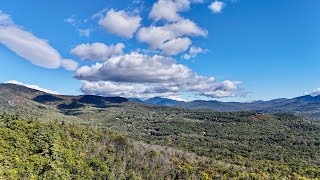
(253, 49)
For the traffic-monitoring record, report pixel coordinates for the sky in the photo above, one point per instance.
(228, 50)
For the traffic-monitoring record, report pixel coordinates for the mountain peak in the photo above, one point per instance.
(163, 101)
(308, 98)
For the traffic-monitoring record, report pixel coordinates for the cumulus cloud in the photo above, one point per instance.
(159, 37)
(36, 87)
(130, 90)
(30, 47)
(217, 6)
(169, 9)
(134, 67)
(143, 76)
(193, 52)
(222, 89)
(97, 51)
(150, 90)
(120, 23)
(315, 92)
(173, 37)
(175, 46)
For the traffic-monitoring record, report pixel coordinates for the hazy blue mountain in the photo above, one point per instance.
(136, 100)
(308, 106)
(163, 101)
(308, 98)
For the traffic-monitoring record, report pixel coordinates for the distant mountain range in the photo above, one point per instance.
(308, 105)
(15, 96)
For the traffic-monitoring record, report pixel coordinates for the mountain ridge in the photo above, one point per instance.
(307, 106)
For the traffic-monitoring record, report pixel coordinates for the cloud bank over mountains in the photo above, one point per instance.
(145, 76)
(315, 92)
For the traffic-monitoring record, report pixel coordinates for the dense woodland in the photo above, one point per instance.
(30, 149)
(64, 137)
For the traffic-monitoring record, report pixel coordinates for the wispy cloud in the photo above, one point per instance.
(85, 32)
(80, 26)
(193, 52)
(25, 44)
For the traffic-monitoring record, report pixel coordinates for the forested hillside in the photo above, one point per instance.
(68, 137)
(31, 149)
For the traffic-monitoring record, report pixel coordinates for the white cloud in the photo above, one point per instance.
(174, 37)
(69, 64)
(71, 20)
(120, 23)
(175, 46)
(156, 36)
(315, 92)
(143, 76)
(217, 6)
(5, 19)
(186, 27)
(134, 67)
(193, 52)
(97, 51)
(223, 89)
(79, 25)
(100, 14)
(149, 90)
(186, 56)
(36, 87)
(168, 9)
(197, 1)
(28, 46)
(129, 90)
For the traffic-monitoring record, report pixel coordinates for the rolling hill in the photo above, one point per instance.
(171, 143)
